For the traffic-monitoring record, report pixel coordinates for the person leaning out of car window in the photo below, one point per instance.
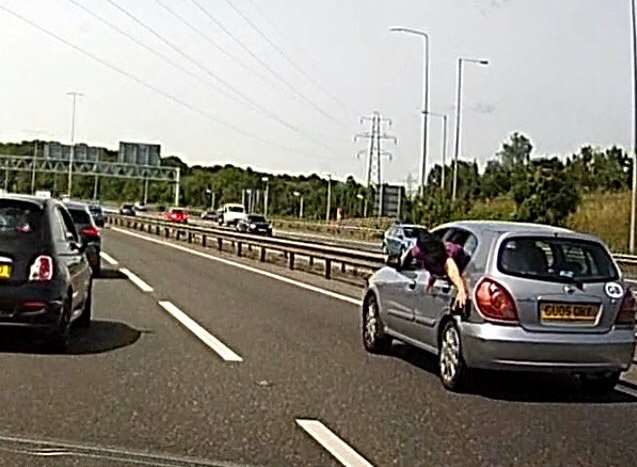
(439, 259)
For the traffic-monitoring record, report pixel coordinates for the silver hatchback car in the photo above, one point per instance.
(540, 299)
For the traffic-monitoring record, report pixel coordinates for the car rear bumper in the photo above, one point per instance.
(498, 347)
(14, 298)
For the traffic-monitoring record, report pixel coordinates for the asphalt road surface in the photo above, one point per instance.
(196, 361)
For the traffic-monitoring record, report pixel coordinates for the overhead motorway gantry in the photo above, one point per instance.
(9, 163)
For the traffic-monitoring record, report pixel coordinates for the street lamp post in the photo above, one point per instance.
(461, 60)
(633, 209)
(266, 180)
(425, 92)
(444, 145)
(74, 95)
(329, 198)
(211, 192)
(297, 194)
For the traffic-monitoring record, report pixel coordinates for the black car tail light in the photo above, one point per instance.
(41, 269)
(90, 231)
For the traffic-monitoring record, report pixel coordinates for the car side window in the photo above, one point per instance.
(67, 225)
(57, 227)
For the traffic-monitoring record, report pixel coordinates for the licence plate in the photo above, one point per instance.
(568, 312)
(5, 271)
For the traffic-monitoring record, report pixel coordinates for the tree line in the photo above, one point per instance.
(544, 189)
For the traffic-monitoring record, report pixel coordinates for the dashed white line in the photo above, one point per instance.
(108, 258)
(204, 336)
(626, 390)
(333, 444)
(287, 280)
(143, 286)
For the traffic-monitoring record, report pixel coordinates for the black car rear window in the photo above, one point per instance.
(235, 209)
(556, 259)
(256, 218)
(95, 210)
(411, 232)
(80, 216)
(19, 218)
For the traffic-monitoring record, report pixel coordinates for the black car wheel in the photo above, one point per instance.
(374, 338)
(84, 321)
(58, 339)
(602, 383)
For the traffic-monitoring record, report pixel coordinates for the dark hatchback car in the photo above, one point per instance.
(98, 214)
(45, 278)
(89, 234)
(127, 209)
(255, 224)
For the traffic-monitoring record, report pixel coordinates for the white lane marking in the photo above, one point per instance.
(108, 258)
(631, 281)
(626, 390)
(204, 336)
(333, 444)
(143, 286)
(287, 280)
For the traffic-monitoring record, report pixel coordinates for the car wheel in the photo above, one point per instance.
(453, 370)
(58, 340)
(84, 321)
(374, 338)
(601, 383)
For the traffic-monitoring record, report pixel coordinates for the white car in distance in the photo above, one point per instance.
(231, 213)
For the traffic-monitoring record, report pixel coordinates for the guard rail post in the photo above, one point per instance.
(220, 244)
(291, 261)
(262, 255)
(239, 246)
(328, 268)
(204, 240)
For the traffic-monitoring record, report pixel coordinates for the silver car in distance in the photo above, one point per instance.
(540, 299)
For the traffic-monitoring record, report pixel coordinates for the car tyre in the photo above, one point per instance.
(452, 368)
(58, 340)
(84, 320)
(374, 338)
(601, 383)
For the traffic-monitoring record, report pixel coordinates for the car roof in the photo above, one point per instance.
(506, 226)
(234, 205)
(408, 226)
(76, 205)
(38, 200)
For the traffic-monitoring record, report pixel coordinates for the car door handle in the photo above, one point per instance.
(412, 285)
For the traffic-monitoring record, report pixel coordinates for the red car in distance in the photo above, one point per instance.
(179, 216)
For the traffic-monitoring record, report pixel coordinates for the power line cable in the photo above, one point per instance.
(248, 68)
(154, 88)
(246, 99)
(284, 54)
(265, 65)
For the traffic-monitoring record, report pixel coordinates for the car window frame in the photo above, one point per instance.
(67, 225)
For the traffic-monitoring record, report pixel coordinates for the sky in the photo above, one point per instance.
(280, 85)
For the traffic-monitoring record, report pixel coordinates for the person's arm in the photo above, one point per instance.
(451, 268)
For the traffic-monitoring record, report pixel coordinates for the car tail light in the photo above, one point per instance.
(628, 309)
(32, 306)
(494, 302)
(41, 269)
(90, 231)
